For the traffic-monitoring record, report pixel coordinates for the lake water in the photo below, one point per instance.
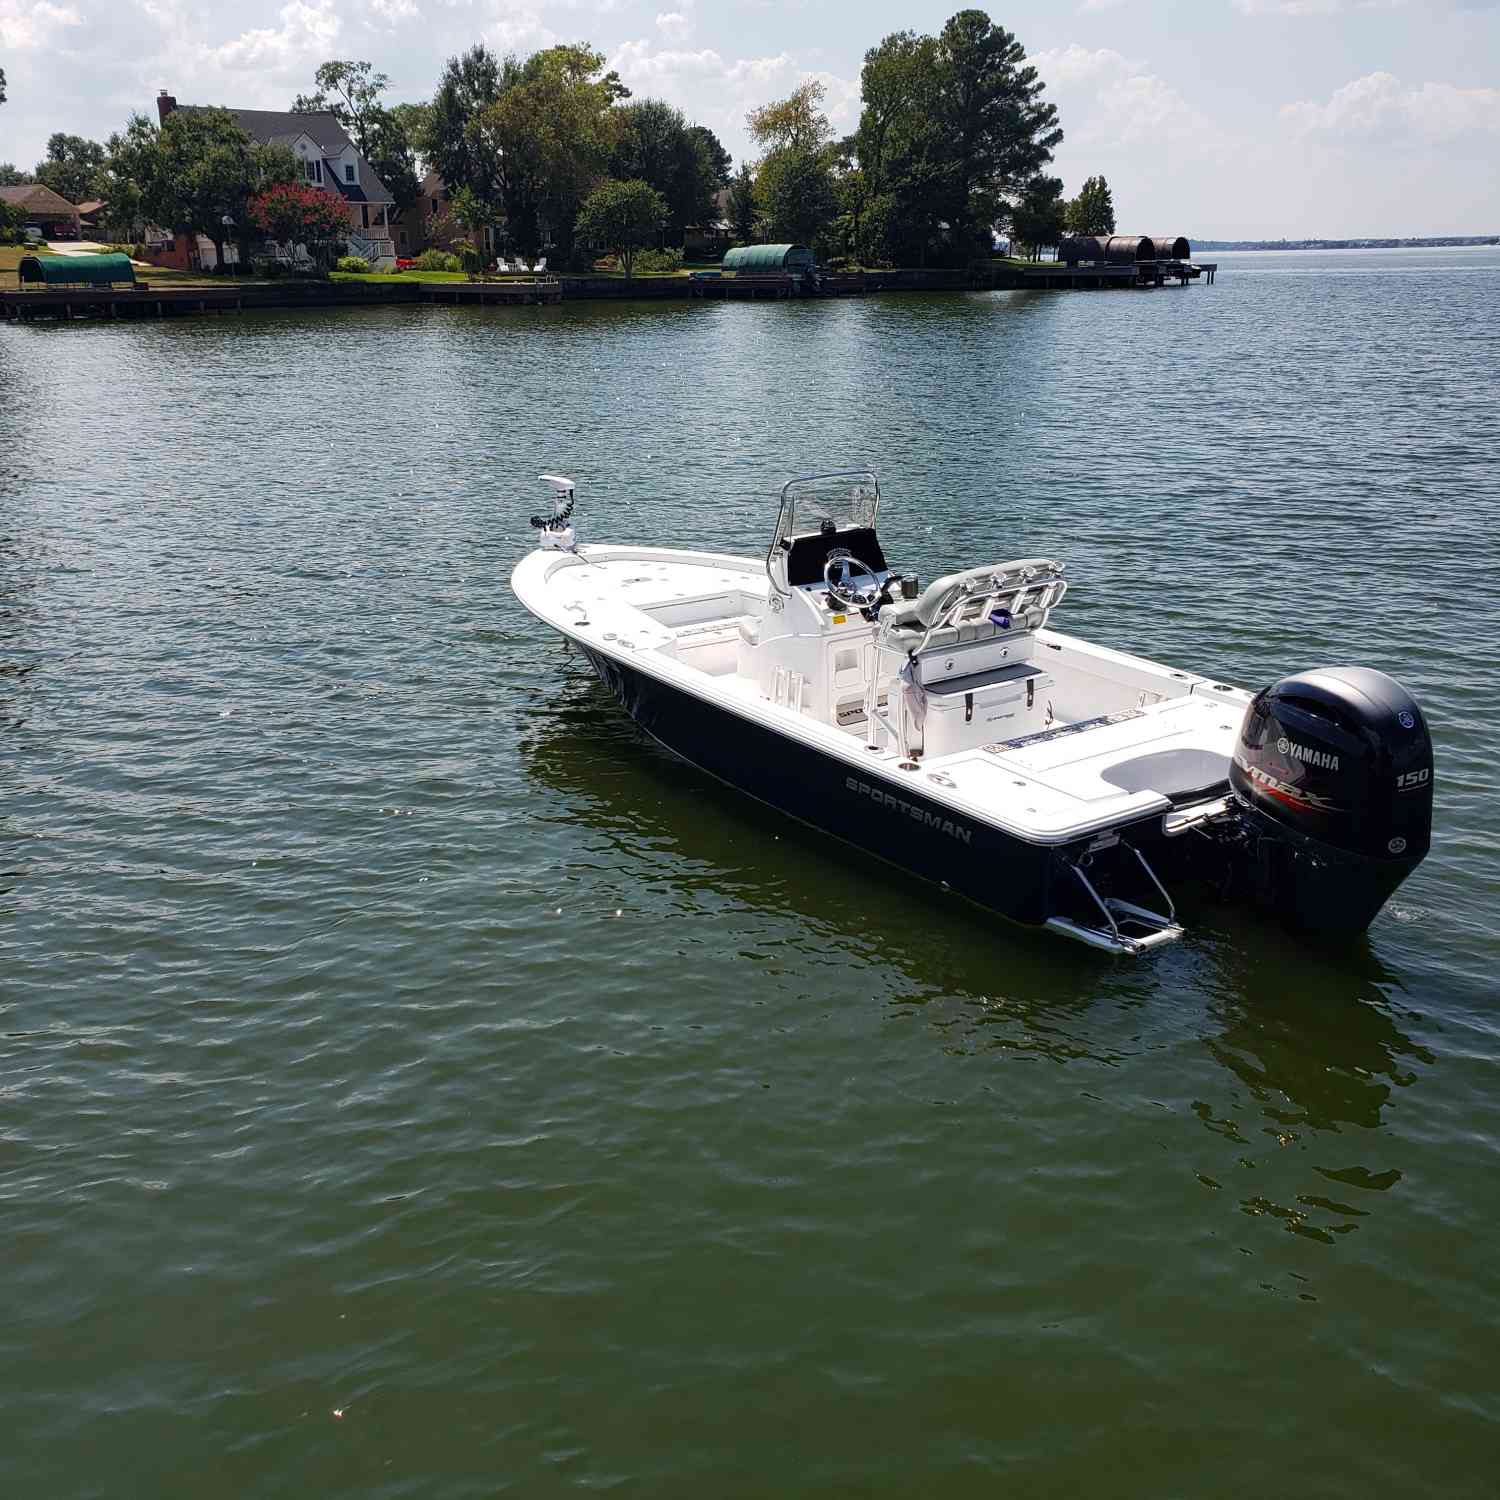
(412, 1083)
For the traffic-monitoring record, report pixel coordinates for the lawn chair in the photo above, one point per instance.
(540, 266)
(302, 260)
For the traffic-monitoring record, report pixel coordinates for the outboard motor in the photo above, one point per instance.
(1332, 777)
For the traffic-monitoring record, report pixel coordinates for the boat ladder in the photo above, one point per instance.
(1123, 926)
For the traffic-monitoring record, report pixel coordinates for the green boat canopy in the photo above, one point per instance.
(77, 270)
(769, 260)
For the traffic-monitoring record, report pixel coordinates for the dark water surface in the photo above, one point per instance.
(414, 1084)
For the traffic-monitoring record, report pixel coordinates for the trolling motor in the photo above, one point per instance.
(557, 529)
(1331, 796)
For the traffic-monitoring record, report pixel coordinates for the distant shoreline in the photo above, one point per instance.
(1436, 242)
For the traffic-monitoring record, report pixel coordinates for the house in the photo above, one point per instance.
(414, 230)
(327, 158)
(53, 215)
(91, 214)
(706, 241)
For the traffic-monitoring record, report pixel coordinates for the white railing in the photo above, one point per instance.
(372, 250)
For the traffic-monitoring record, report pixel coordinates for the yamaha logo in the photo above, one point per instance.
(1325, 760)
(1408, 721)
(1397, 846)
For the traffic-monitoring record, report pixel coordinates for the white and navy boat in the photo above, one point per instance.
(949, 730)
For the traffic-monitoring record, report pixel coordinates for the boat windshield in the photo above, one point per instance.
(849, 500)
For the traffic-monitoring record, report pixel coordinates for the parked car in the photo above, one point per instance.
(33, 234)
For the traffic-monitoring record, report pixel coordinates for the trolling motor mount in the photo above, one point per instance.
(557, 529)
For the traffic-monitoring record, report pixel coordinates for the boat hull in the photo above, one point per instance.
(889, 820)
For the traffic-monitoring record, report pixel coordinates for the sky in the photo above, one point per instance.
(1217, 119)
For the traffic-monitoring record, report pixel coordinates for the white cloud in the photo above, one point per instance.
(1333, 7)
(29, 24)
(720, 91)
(1290, 7)
(1379, 107)
(1089, 5)
(395, 10)
(306, 32)
(1075, 64)
(518, 29)
(675, 26)
(1109, 100)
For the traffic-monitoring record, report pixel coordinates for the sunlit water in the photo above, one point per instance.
(412, 1083)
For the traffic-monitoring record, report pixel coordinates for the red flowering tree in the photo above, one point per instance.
(294, 213)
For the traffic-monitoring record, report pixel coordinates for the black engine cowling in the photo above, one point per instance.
(1333, 779)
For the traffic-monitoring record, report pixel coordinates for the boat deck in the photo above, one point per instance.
(1142, 750)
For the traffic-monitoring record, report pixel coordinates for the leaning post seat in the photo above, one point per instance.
(1012, 598)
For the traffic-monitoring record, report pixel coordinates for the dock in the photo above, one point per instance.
(514, 290)
(142, 301)
(1083, 276)
(163, 301)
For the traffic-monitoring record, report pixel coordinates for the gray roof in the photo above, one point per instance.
(282, 126)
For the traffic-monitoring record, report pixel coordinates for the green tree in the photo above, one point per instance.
(656, 145)
(454, 143)
(74, 168)
(902, 151)
(1093, 210)
(796, 121)
(1000, 131)
(197, 170)
(719, 160)
(2, 85)
(1038, 218)
(473, 215)
(622, 217)
(550, 136)
(351, 92)
(795, 189)
(852, 192)
(953, 128)
(12, 176)
(794, 185)
(743, 210)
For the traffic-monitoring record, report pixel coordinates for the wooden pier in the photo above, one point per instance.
(143, 301)
(538, 289)
(1058, 275)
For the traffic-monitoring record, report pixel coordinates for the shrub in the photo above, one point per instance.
(270, 269)
(469, 258)
(356, 264)
(438, 260)
(647, 261)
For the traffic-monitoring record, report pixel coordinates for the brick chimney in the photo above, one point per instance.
(165, 104)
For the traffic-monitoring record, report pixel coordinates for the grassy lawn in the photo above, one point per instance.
(10, 260)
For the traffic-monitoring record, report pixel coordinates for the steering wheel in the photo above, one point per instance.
(846, 591)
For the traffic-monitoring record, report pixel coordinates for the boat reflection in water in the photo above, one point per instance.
(1317, 1050)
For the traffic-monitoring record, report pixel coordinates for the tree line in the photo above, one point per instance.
(553, 152)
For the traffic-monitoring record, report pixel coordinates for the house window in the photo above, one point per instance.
(348, 171)
(312, 171)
